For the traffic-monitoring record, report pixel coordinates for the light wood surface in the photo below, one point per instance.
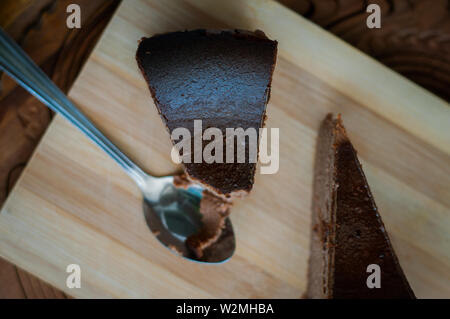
(74, 205)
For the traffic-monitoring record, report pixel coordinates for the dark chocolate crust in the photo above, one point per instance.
(220, 77)
(347, 231)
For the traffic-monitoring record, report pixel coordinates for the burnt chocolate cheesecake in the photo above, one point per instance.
(348, 234)
(222, 78)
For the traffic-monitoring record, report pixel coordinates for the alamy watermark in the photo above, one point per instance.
(374, 279)
(73, 20)
(373, 21)
(235, 146)
(74, 279)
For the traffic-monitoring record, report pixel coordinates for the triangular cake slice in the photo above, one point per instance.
(348, 234)
(220, 77)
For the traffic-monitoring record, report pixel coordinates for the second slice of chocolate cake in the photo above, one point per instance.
(348, 234)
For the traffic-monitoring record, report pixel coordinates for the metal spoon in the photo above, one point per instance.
(171, 213)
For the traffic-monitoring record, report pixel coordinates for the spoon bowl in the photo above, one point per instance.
(173, 214)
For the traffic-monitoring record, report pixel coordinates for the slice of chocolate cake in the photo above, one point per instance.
(220, 77)
(348, 234)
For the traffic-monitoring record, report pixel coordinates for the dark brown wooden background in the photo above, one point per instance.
(414, 40)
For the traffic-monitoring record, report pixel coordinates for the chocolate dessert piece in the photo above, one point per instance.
(214, 210)
(347, 231)
(220, 77)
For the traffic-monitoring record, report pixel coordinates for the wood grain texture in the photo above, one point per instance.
(74, 205)
(23, 119)
(413, 39)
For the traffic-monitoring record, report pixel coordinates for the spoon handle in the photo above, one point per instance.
(19, 66)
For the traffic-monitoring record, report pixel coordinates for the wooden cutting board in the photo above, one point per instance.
(74, 205)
